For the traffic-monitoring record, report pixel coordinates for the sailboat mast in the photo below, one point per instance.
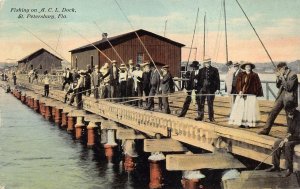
(225, 31)
(204, 36)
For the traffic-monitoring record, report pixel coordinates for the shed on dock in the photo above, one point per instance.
(41, 60)
(163, 51)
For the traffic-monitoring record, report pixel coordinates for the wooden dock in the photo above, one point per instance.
(154, 128)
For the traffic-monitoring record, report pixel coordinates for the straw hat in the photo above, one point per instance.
(247, 63)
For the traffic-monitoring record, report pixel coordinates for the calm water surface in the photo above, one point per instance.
(35, 153)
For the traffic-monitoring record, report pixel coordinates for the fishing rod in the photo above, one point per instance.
(93, 45)
(256, 33)
(143, 45)
(43, 42)
(195, 27)
(204, 20)
(114, 50)
(110, 44)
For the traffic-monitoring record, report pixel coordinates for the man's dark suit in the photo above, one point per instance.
(208, 82)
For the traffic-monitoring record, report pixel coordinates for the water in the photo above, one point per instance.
(35, 153)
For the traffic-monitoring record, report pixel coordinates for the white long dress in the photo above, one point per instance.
(245, 111)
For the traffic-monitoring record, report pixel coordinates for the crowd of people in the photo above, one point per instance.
(132, 84)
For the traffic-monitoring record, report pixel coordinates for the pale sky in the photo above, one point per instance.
(277, 22)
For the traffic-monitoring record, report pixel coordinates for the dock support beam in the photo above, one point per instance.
(36, 105)
(71, 121)
(91, 129)
(48, 111)
(191, 179)
(64, 119)
(110, 145)
(58, 119)
(130, 155)
(156, 161)
(79, 127)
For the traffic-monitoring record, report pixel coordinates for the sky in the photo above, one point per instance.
(276, 21)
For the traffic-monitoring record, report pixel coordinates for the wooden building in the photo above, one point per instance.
(41, 60)
(162, 50)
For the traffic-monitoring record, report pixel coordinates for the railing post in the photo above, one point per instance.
(267, 90)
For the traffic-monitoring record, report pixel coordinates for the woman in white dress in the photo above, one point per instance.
(245, 111)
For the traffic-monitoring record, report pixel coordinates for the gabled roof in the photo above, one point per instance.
(36, 53)
(122, 38)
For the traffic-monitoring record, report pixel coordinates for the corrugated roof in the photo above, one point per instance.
(124, 37)
(32, 55)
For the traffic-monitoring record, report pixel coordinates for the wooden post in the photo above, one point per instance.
(58, 117)
(110, 145)
(36, 105)
(53, 112)
(48, 111)
(91, 134)
(64, 119)
(71, 124)
(156, 161)
(191, 180)
(130, 155)
(79, 127)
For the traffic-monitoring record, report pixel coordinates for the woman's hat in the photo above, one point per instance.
(247, 63)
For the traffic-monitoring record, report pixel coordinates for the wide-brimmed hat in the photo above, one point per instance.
(247, 63)
(145, 64)
(165, 67)
(207, 60)
(194, 64)
(113, 61)
(123, 66)
(130, 62)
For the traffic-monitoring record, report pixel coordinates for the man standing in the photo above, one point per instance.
(138, 84)
(104, 81)
(114, 79)
(208, 83)
(123, 82)
(146, 77)
(190, 86)
(166, 80)
(46, 84)
(290, 141)
(130, 81)
(79, 89)
(68, 78)
(155, 88)
(95, 82)
(237, 70)
(15, 78)
(287, 82)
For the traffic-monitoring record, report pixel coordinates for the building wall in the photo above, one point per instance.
(44, 61)
(84, 59)
(160, 51)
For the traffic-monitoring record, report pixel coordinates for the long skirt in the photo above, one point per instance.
(245, 111)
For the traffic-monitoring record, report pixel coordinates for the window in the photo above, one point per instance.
(140, 58)
(92, 62)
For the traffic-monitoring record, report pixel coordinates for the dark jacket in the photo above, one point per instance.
(155, 80)
(146, 80)
(294, 126)
(249, 84)
(235, 75)
(288, 86)
(166, 83)
(110, 73)
(190, 83)
(212, 77)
